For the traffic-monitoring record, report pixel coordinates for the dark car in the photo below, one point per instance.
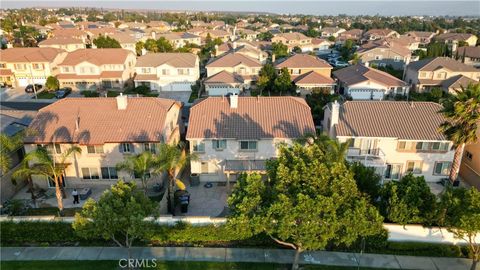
(63, 92)
(29, 88)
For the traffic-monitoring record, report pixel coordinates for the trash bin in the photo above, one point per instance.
(194, 179)
(182, 197)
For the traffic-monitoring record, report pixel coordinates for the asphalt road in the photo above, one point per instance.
(22, 105)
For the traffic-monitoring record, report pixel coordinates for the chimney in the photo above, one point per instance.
(154, 35)
(216, 50)
(234, 45)
(273, 58)
(234, 100)
(367, 64)
(335, 115)
(121, 102)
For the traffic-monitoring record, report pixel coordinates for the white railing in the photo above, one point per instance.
(368, 157)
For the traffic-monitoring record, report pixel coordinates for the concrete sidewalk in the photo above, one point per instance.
(235, 255)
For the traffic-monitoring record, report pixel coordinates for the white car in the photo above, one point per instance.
(340, 64)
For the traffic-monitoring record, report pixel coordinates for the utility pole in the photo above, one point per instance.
(31, 77)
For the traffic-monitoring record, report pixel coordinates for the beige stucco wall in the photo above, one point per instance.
(66, 47)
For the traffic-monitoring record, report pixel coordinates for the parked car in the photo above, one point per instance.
(29, 88)
(339, 63)
(63, 92)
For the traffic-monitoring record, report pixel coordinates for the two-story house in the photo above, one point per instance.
(453, 39)
(366, 83)
(179, 39)
(91, 69)
(22, 66)
(64, 43)
(107, 130)
(385, 53)
(239, 134)
(440, 72)
(244, 47)
(308, 72)
(424, 38)
(469, 55)
(375, 34)
(352, 34)
(235, 63)
(167, 71)
(331, 31)
(394, 137)
(293, 40)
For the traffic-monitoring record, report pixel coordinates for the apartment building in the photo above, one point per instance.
(167, 71)
(394, 137)
(239, 134)
(92, 69)
(107, 130)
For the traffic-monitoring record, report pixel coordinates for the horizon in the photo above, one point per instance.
(317, 8)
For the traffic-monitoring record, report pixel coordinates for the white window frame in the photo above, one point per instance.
(97, 149)
(90, 175)
(417, 166)
(249, 148)
(443, 168)
(219, 145)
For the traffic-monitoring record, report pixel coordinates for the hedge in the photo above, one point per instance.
(62, 234)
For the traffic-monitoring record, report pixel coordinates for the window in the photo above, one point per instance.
(378, 57)
(296, 71)
(150, 147)
(50, 148)
(109, 173)
(37, 66)
(422, 146)
(393, 171)
(95, 149)
(92, 70)
(165, 72)
(3, 65)
(402, 145)
(219, 144)
(145, 70)
(414, 167)
(20, 66)
(182, 71)
(65, 69)
(442, 168)
(138, 176)
(198, 146)
(468, 155)
(126, 148)
(396, 58)
(204, 168)
(248, 145)
(90, 173)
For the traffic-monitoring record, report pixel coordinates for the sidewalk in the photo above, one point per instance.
(283, 256)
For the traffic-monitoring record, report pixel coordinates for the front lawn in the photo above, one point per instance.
(104, 265)
(49, 211)
(46, 95)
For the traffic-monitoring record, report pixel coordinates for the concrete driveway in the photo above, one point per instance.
(182, 96)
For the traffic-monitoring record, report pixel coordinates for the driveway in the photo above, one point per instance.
(17, 93)
(176, 95)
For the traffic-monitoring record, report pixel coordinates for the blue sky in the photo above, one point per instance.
(318, 7)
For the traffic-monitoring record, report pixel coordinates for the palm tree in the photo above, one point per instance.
(7, 146)
(462, 112)
(141, 165)
(171, 159)
(51, 167)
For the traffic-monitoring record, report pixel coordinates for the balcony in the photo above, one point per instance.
(368, 157)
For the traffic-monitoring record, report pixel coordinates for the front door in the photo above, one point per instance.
(51, 183)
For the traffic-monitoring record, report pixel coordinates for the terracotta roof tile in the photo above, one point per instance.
(29, 54)
(254, 118)
(359, 73)
(184, 60)
(302, 61)
(432, 64)
(223, 77)
(314, 78)
(96, 56)
(392, 119)
(234, 59)
(100, 121)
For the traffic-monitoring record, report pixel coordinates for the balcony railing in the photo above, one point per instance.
(369, 157)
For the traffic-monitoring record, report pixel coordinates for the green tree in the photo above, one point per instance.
(266, 77)
(265, 36)
(408, 201)
(172, 159)
(119, 215)
(436, 49)
(140, 166)
(368, 181)
(297, 49)
(8, 144)
(151, 45)
(45, 164)
(164, 45)
(279, 49)
(283, 82)
(307, 202)
(52, 83)
(460, 210)
(139, 46)
(462, 113)
(106, 42)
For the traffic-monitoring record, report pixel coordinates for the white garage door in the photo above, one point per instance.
(41, 81)
(179, 86)
(22, 82)
(222, 91)
(361, 94)
(377, 95)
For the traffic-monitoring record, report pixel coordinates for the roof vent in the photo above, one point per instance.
(121, 102)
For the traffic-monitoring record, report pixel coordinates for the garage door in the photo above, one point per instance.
(22, 82)
(365, 94)
(180, 87)
(222, 91)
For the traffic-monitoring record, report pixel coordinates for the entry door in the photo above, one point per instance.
(51, 183)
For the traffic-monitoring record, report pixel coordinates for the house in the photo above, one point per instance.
(293, 40)
(438, 72)
(65, 43)
(453, 40)
(248, 34)
(223, 84)
(107, 130)
(22, 66)
(167, 71)
(69, 33)
(239, 134)
(394, 137)
(385, 53)
(235, 63)
(375, 34)
(424, 38)
(363, 82)
(242, 47)
(221, 34)
(470, 167)
(321, 45)
(331, 32)
(308, 72)
(352, 34)
(126, 41)
(180, 39)
(91, 69)
(469, 55)
(160, 26)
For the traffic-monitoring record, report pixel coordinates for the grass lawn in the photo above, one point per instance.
(46, 95)
(104, 265)
(48, 211)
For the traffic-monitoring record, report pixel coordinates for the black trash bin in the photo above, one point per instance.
(182, 197)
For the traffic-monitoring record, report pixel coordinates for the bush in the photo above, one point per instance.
(90, 93)
(36, 232)
(111, 93)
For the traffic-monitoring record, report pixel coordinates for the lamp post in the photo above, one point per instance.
(31, 78)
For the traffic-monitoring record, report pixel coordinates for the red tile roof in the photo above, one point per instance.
(223, 77)
(232, 60)
(29, 54)
(96, 56)
(254, 118)
(313, 78)
(302, 61)
(99, 121)
(359, 73)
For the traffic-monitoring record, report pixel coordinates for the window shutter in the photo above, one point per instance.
(120, 147)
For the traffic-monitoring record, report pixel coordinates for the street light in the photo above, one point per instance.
(31, 77)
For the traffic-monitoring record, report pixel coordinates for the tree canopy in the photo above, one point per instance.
(106, 42)
(279, 49)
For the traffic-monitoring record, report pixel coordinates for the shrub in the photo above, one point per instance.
(111, 93)
(90, 93)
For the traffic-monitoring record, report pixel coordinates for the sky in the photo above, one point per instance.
(313, 7)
